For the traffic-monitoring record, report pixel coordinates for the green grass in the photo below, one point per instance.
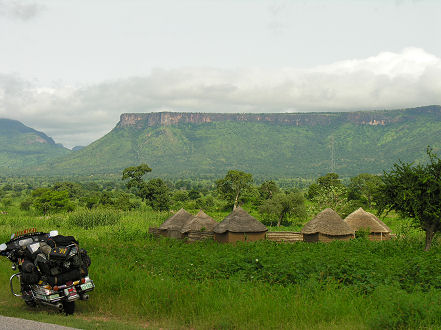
(143, 281)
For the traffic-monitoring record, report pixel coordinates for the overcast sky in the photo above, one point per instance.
(70, 68)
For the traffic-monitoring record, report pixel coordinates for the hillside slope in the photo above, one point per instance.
(22, 146)
(269, 145)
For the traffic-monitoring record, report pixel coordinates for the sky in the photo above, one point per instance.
(70, 68)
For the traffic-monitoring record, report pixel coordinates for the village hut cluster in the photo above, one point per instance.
(241, 226)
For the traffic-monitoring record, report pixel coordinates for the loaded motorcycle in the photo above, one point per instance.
(52, 269)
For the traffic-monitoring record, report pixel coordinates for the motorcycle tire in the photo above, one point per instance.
(30, 303)
(69, 307)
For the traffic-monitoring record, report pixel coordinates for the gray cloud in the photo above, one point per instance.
(23, 10)
(77, 116)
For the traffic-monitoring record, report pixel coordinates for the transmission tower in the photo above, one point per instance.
(332, 154)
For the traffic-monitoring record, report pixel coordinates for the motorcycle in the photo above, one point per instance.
(52, 269)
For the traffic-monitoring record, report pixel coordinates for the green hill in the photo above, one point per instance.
(267, 145)
(22, 146)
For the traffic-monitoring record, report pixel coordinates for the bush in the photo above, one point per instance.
(95, 217)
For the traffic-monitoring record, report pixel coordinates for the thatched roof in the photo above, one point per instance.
(177, 221)
(327, 222)
(239, 221)
(361, 219)
(199, 221)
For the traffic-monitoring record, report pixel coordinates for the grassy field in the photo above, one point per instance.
(160, 283)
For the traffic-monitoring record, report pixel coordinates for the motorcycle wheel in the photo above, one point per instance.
(69, 307)
(30, 303)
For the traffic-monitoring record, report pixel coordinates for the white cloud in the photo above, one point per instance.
(23, 10)
(77, 116)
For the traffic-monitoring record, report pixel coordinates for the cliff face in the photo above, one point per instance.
(372, 118)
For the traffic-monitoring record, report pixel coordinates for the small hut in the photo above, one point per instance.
(173, 225)
(327, 226)
(199, 227)
(362, 220)
(239, 226)
(200, 222)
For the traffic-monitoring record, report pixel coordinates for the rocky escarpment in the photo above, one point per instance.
(372, 118)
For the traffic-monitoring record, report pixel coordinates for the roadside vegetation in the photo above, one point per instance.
(143, 281)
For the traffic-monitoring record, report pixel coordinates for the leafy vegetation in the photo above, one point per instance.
(171, 284)
(160, 282)
(415, 191)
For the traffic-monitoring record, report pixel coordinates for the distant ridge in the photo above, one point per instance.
(373, 117)
(287, 145)
(22, 146)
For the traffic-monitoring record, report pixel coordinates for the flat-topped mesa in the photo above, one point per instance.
(372, 118)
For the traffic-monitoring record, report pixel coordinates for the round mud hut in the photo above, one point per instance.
(362, 220)
(200, 227)
(173, 225)
(327, 226)
(239, 226)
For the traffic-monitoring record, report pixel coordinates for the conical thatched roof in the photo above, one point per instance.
(327, 222)
(239, 221)
(176, 221)
(199, 221)
(361, 219)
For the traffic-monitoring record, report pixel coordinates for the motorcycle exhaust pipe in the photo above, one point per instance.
(58, 306)
(84, 297)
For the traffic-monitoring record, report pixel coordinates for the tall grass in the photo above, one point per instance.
(92, 218)
(173, 284)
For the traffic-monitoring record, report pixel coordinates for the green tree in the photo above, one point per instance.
(46, 200)
(268, 189)
(325, 182)
(234, 185)
(106, 199)
(180, 196)
(334, 197)
(25, 204)
(415, 191)
(74, 189)
(194, 194)
(157, 195)
(282, 205)
(134, 175)
(363, 188)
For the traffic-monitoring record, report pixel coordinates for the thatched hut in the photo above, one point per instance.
(239, 226)
(362, 220)
(173, 225)
(200, 222)
(327, 226)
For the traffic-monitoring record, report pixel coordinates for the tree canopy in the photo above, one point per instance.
(415, 191)
(233, 185)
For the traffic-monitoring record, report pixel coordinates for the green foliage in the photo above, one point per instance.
(282, 205)
(180, 196)
(268, 189)
(323, 184)
(234, 185)
(25, 204)
(415, 191)
(134, 174)
(363, 188)
(74, 189)
(172, 284)
(46, 200)
(88, 219)
(362, 233)
(194, 194)
(157, 195)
